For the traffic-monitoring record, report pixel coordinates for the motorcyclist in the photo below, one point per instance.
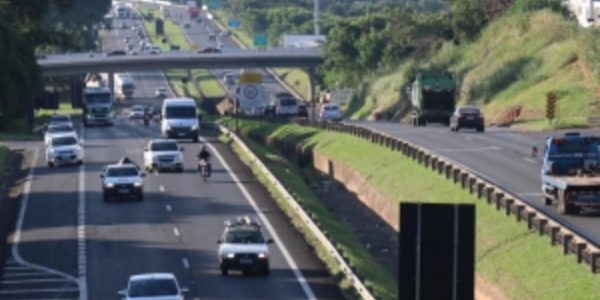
(205, 156)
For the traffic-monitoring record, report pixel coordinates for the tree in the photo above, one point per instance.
(468, 18)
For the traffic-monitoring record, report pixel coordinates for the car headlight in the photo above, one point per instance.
(109, 185)
(262, 255)
(137, 184)
(195, 127)
(230, 255)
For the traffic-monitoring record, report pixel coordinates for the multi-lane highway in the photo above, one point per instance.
(72, 245)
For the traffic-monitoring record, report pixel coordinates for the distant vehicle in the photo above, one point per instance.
(250, 94)
(122, 181)
(161, 92)
(180, 118)
(433, 98)
(229, 79)
(64, 150)
(122, 12)
(187, 26)
(209, 50)
(124, 86)
(98, 106)
(163, 155)
(225, 33)
(134, 52)
(58, 130)
(154, 50)
(571, 173)
(243, 247)
(303, 110)
(467, 117)
(135, 16)
(212, 37)
(199, 20)
(123, 26)
(60, 120)
(330, 112)
(193, 12)
(116, 53)
(286, 106)
(163, 286)
(137, 112)
(270, 110)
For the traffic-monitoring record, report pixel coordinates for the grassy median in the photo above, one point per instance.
(514, 259)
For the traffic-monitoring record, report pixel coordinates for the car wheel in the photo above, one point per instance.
(224, 271)
(267, 271)
(50, 164)
(140, 197)
(480, 129)
(105, 197)
(457, 128)
(195, 139)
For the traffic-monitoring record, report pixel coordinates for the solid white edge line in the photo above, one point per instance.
(176, 231)
(185, 262)
(16, 240)
(81, 230)
(290, 260)
(168, 208)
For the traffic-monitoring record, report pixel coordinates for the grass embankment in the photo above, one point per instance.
(297, 79)
(508, 70)
(375, 276)
(517, 261)
(20, 129)
(209, 86)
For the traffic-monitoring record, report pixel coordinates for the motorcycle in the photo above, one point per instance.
(205, 168)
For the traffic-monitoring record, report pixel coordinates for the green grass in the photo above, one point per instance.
(377, 278)
(517, 261)
(222, 16)
(208, 84)
(20, 130)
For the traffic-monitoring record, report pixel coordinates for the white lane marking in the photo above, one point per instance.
(530, 160)
(25, 274)
(176, 231)
(161, 188)
(468, 138)
(16, 241)
(27, 281)
(185, 262)
(81, 244)
(168, 208)
(61, 290)
(286, 254)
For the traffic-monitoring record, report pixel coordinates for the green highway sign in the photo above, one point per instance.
(259, 40)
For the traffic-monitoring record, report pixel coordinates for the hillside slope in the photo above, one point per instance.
(508, 70)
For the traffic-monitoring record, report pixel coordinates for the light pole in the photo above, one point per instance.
(316, 14)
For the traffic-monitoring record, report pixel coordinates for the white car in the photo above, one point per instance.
(243, 247)
(137, 112)
(330, 112)
(163, 155)
(64, 150)
(163, 286)
(122, 180)
(154, 50)
(60, 119)
(161, 92)
(58, 130)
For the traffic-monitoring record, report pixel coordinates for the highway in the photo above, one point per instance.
(75, 246)
(501, 155)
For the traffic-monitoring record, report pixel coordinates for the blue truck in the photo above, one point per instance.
(571, 172)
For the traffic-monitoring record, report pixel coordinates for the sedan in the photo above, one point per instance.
(162, 286)
(58, 130)
(467, 117)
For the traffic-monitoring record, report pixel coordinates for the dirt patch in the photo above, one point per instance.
(10, 192)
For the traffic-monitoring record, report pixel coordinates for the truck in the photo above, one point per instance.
(98, 106)
(124, 86)
(571, 172)
(432, 96)
(250, 95)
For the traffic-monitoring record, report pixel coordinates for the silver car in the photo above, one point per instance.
(122, 181)
(64, 150)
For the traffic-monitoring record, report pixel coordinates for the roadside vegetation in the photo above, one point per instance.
(515, 260)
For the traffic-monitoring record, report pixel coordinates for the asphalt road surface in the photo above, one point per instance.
(73, 245)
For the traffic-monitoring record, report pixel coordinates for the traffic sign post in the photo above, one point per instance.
(551, 106)
(259, 41)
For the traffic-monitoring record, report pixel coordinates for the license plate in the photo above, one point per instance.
(470, 118)
(123, 191)
(245, 261)
(181, 134)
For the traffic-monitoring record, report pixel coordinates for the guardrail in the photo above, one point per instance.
(359, 287)
(484, 188)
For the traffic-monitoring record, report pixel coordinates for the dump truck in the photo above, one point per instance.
(571, 172)
(433, 98)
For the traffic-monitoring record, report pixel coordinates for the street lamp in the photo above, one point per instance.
(316, 14)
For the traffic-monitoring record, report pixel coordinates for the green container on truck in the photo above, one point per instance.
(433, 98)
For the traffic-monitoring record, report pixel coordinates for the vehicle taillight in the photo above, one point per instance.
(558, 141)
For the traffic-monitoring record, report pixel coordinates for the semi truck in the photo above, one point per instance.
(98, 108)
(571, 172)
(432, 97)
(124, 86)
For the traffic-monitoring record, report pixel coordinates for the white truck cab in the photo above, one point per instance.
(179, 119)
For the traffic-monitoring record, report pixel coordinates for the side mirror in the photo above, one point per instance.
(270, 241)
(184, 290)
(219, 241)
(102, 176)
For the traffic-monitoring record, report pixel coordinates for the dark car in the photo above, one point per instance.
(467, 117)
(116, 53)
(302, 110)
(209, 50)
(270, 110)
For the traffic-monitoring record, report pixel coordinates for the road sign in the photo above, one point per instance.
(259, 40)
(550, 106)
(234, 23)
(250, 92)
(214, 4)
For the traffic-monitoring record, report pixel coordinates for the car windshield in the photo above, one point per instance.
(97, 98)
(64, 141)
(137, 108)
(164, 147)
(469, 110)
(61, 128)
(122, 172)
(59, 119)
(288, 102)
(152, 287)
(331, 108)
(180, 112)
(244, 236)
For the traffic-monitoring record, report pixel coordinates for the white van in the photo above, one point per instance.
(286, 106)
(179, 119)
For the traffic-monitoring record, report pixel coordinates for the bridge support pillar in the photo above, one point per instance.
(111, 82)
(311, 92)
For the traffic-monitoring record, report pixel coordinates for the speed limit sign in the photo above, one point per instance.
(250, 92)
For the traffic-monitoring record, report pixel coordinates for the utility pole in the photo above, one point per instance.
(316, 15)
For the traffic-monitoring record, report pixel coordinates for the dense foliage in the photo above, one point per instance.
(26, 25)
